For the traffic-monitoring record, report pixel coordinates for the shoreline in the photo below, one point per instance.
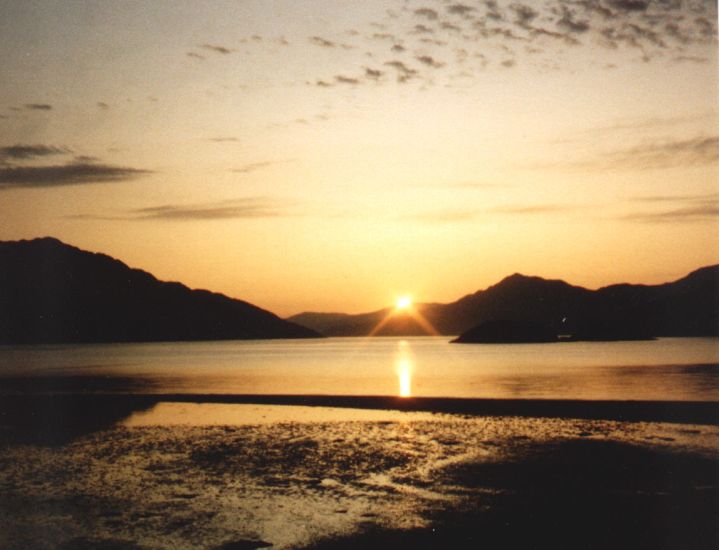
(74, 406)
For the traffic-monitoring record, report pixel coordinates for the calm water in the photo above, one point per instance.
(665, 369)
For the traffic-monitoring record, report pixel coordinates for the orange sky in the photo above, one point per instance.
(329, 157)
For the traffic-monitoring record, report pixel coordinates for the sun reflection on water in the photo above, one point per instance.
(404, 366)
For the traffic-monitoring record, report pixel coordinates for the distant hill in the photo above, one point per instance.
(51, 292)
(687, 307)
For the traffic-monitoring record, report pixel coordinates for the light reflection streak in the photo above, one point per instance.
(404, 366)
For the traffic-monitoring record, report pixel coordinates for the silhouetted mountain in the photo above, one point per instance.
(502, 331)
(687, 307)
(51, 292)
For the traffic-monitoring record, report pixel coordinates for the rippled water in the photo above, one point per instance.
(665, 369)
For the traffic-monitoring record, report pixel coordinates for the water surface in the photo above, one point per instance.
(664, 369)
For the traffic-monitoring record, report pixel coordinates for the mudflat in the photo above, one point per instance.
(208, 475)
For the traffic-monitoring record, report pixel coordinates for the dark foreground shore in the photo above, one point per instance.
(153, 472)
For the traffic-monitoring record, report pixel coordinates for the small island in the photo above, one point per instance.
(505, 331)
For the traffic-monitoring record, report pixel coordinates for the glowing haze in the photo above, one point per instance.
(325, 155)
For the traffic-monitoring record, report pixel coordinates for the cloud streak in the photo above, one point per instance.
(74, 173)
(25, 152)
(230, 209)
(216, 49)
(255, 166)
(38, 106)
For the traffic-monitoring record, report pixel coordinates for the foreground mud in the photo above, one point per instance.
(404, 480)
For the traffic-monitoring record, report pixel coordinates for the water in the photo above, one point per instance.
(665, 369)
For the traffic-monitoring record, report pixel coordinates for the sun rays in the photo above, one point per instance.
(404, 311)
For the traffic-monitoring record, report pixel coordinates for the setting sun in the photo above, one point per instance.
(403, 302)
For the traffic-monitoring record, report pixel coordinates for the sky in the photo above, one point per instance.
(333, 155)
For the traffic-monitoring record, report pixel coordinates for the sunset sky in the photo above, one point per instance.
(332, 155)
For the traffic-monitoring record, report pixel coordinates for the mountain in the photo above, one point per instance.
(687, 307)
(51, 292)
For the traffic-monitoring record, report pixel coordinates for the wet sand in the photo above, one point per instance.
(137, 472)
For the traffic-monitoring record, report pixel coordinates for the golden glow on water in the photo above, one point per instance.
(404, 366)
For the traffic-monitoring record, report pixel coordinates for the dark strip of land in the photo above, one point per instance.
(81, 408)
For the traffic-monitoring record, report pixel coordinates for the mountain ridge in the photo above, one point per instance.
(688, 306)
(52, 292)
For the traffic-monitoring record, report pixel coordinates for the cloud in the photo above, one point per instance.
(460, 9)
(687, 209)
(323, 42)
(102, 105)
(372, 74)
(524, 15)
(652, 123)
(429, 61)
(404, 73)
(688, 152)
(692, 58)
(217, 49)
(700, 150)
(195, 55)
(74, 173)
(345, 79)
(24, 152)
(428, 13)
(530, 210)
(249, 207)
(676, 198)
(255, 166)
(423, 29)
(569, 24)
(224, 139)
(38, 106)
(629, 5)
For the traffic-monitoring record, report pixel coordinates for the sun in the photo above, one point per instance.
(403, 302)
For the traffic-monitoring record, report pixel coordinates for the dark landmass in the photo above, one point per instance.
(51, 292)
(686, 307)
(569, 494)
(507, 332)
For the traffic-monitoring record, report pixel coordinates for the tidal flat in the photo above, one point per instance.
(182, 475)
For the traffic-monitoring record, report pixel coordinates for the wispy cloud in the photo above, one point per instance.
(38, 106)
(224, 139)
(25, 152)
(255, 166)
(427, 13)
(242, 208)
(323, 42)
(250, 207)
(429, 61)
(341, 79)
(696, 151)
(700, 150)
(217, 49)
(683, 209)
(74, 173)
(531, 209)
